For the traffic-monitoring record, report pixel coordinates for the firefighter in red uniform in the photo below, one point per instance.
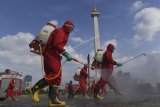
(9, 91)
(52, 63)
(83, 80)
(107, 69)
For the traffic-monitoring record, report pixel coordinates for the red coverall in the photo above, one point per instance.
(83, 80)
(9, 91)
(52, 57)
(107, 69)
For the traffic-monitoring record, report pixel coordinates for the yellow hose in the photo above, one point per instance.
(42, 65)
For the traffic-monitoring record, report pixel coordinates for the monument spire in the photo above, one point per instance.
(95, 15)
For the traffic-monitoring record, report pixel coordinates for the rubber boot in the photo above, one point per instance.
(53, 100)
(34, 91)
(96, 91)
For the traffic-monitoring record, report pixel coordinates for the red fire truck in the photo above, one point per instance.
(5, 79)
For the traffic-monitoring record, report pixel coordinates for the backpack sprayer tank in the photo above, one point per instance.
(99, 55)
(42, 37)
(46, 30)
(76, 75)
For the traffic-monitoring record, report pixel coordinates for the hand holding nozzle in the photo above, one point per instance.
(68, 56)
(119, 64)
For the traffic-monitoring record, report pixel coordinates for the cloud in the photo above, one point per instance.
(15, 54)
(145, 68)
(137, 5)
(147, 25)
(15, 49)
(155, 52)
(77, 39)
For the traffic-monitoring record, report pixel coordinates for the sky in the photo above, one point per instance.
(133, 26)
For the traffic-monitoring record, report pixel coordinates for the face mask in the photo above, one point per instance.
(69, 27)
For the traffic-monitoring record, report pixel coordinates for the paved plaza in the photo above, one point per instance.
(109, 101)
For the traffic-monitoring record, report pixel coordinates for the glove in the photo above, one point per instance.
(119, 64)
(67, 55)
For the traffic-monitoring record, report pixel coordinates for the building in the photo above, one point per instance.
(123, 76)
(27, 81)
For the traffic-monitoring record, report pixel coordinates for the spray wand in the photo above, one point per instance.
(133, 59)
